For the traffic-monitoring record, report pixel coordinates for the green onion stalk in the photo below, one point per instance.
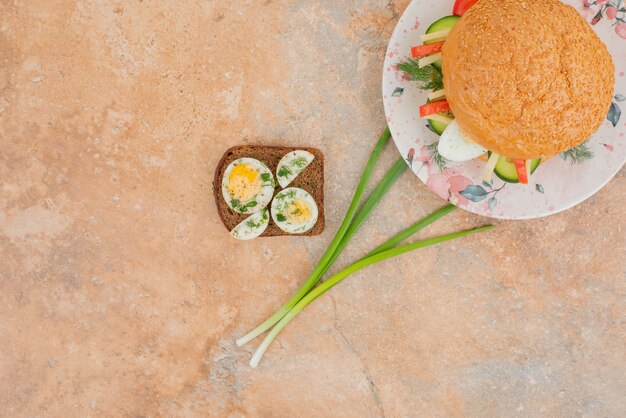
(362, 263)
(350, 225)
(331, 253)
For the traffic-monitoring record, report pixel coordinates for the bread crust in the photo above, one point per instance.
(527, 79)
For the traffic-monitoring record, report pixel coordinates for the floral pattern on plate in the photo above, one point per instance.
(613, 11)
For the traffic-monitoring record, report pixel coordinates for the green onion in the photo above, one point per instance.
(329, 255)
(338, 277)
(372, 201)
(403, 235)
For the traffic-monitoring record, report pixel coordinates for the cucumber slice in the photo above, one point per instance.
(505, 168)
(442, 24)
(437, 126)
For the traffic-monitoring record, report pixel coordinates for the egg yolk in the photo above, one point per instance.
(298, 212)
(244, 182)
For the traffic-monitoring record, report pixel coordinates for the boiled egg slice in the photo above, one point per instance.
(252, 227)
(294, 210)
(247, 185)
(457, 145)
(291, 165)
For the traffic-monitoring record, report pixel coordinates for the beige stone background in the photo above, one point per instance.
(121, 293)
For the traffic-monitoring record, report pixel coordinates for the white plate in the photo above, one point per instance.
(558, 184)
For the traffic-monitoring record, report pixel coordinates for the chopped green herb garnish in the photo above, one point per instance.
(266, 176)
(299, 162)
(280, 217)
(578, 154)
(284, 171)
(440, 161)
(250, 204)
(263, 219)
(428, 78)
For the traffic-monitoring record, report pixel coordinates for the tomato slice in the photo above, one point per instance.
(462, 6)
(522, 174)
(423, 50)
(434, 107)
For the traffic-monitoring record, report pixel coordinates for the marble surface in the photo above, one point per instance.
(121, 294)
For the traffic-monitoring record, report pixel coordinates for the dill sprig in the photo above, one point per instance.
(298, 162)
(578, 154)
(440, 161)
(428, 78)
(252, 224)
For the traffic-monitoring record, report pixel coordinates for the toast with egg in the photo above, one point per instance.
(311, 180)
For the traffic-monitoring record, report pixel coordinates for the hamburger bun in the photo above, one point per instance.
(527, 79)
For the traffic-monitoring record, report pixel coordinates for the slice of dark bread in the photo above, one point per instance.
(311, 180)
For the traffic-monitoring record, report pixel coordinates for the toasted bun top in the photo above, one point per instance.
(527, 79)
